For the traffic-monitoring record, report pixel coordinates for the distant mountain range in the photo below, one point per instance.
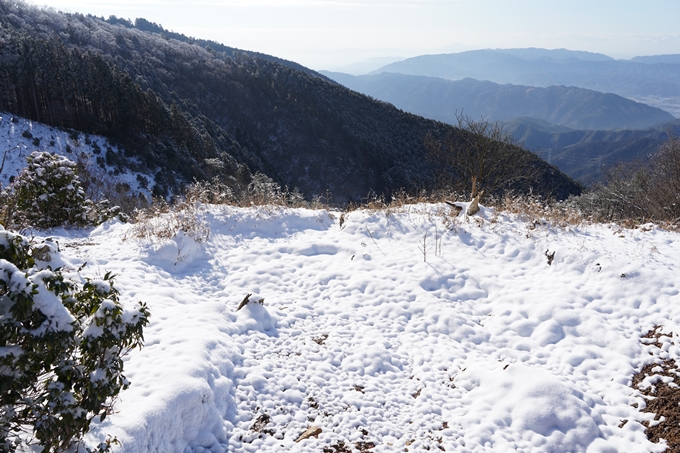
(367, 65)
(642, 76)
(573, 108)
(443, 99)
(186, 109)
(658, 59)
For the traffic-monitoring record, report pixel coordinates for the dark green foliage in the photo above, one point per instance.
(71, 88)
(48, 194)
(63, 346)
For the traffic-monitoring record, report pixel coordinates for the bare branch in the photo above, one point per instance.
(481, 156)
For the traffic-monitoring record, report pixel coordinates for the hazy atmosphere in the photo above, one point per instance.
(325, 34)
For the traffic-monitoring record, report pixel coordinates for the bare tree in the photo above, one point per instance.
(640, 190)
(664, 193)
(482, 157)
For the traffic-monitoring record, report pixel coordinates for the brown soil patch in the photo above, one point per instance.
(340, 447)
(662, 399)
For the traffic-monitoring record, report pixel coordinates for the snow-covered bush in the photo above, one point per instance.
(260, 190)
(264, 190)
(61, 348)
(48, 194)
(213, 191)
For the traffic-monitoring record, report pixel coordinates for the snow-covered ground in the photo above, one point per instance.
(479, 344)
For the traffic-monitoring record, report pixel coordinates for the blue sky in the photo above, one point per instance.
(325, 34)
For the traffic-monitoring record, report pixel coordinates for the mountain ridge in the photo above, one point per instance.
(622, 77)
(443, 100)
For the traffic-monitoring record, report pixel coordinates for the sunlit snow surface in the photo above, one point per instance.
(482, 347)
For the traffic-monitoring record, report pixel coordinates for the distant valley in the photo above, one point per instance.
(441, 99)
(581, 111)
(586, 154)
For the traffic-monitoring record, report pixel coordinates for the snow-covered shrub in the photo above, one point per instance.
(261, 190)
(264, 190)
(48, 194)
(61, 349)
(213, 192)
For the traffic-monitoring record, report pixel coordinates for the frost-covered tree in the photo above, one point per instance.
(61, 348)
(48, 194)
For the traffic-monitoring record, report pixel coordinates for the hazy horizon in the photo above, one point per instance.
(332, 34)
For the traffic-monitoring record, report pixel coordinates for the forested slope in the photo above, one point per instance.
(587, 155)
(192, 109)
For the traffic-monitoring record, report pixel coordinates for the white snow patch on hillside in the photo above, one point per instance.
(19, 137)
(479, 346)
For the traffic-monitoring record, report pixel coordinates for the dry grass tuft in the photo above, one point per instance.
(535, 210)
(163, 221)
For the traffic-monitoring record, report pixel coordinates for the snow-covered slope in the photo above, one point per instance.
(19, 137)
(478, 345)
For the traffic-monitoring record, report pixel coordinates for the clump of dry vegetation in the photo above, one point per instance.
(164, 221)
(260, 190)
(631, 197)
(535, 209)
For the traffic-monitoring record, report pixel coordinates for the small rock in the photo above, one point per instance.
(260, 423)
(364, 446)
(42, 252)
(311, 431)
(320, 339)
